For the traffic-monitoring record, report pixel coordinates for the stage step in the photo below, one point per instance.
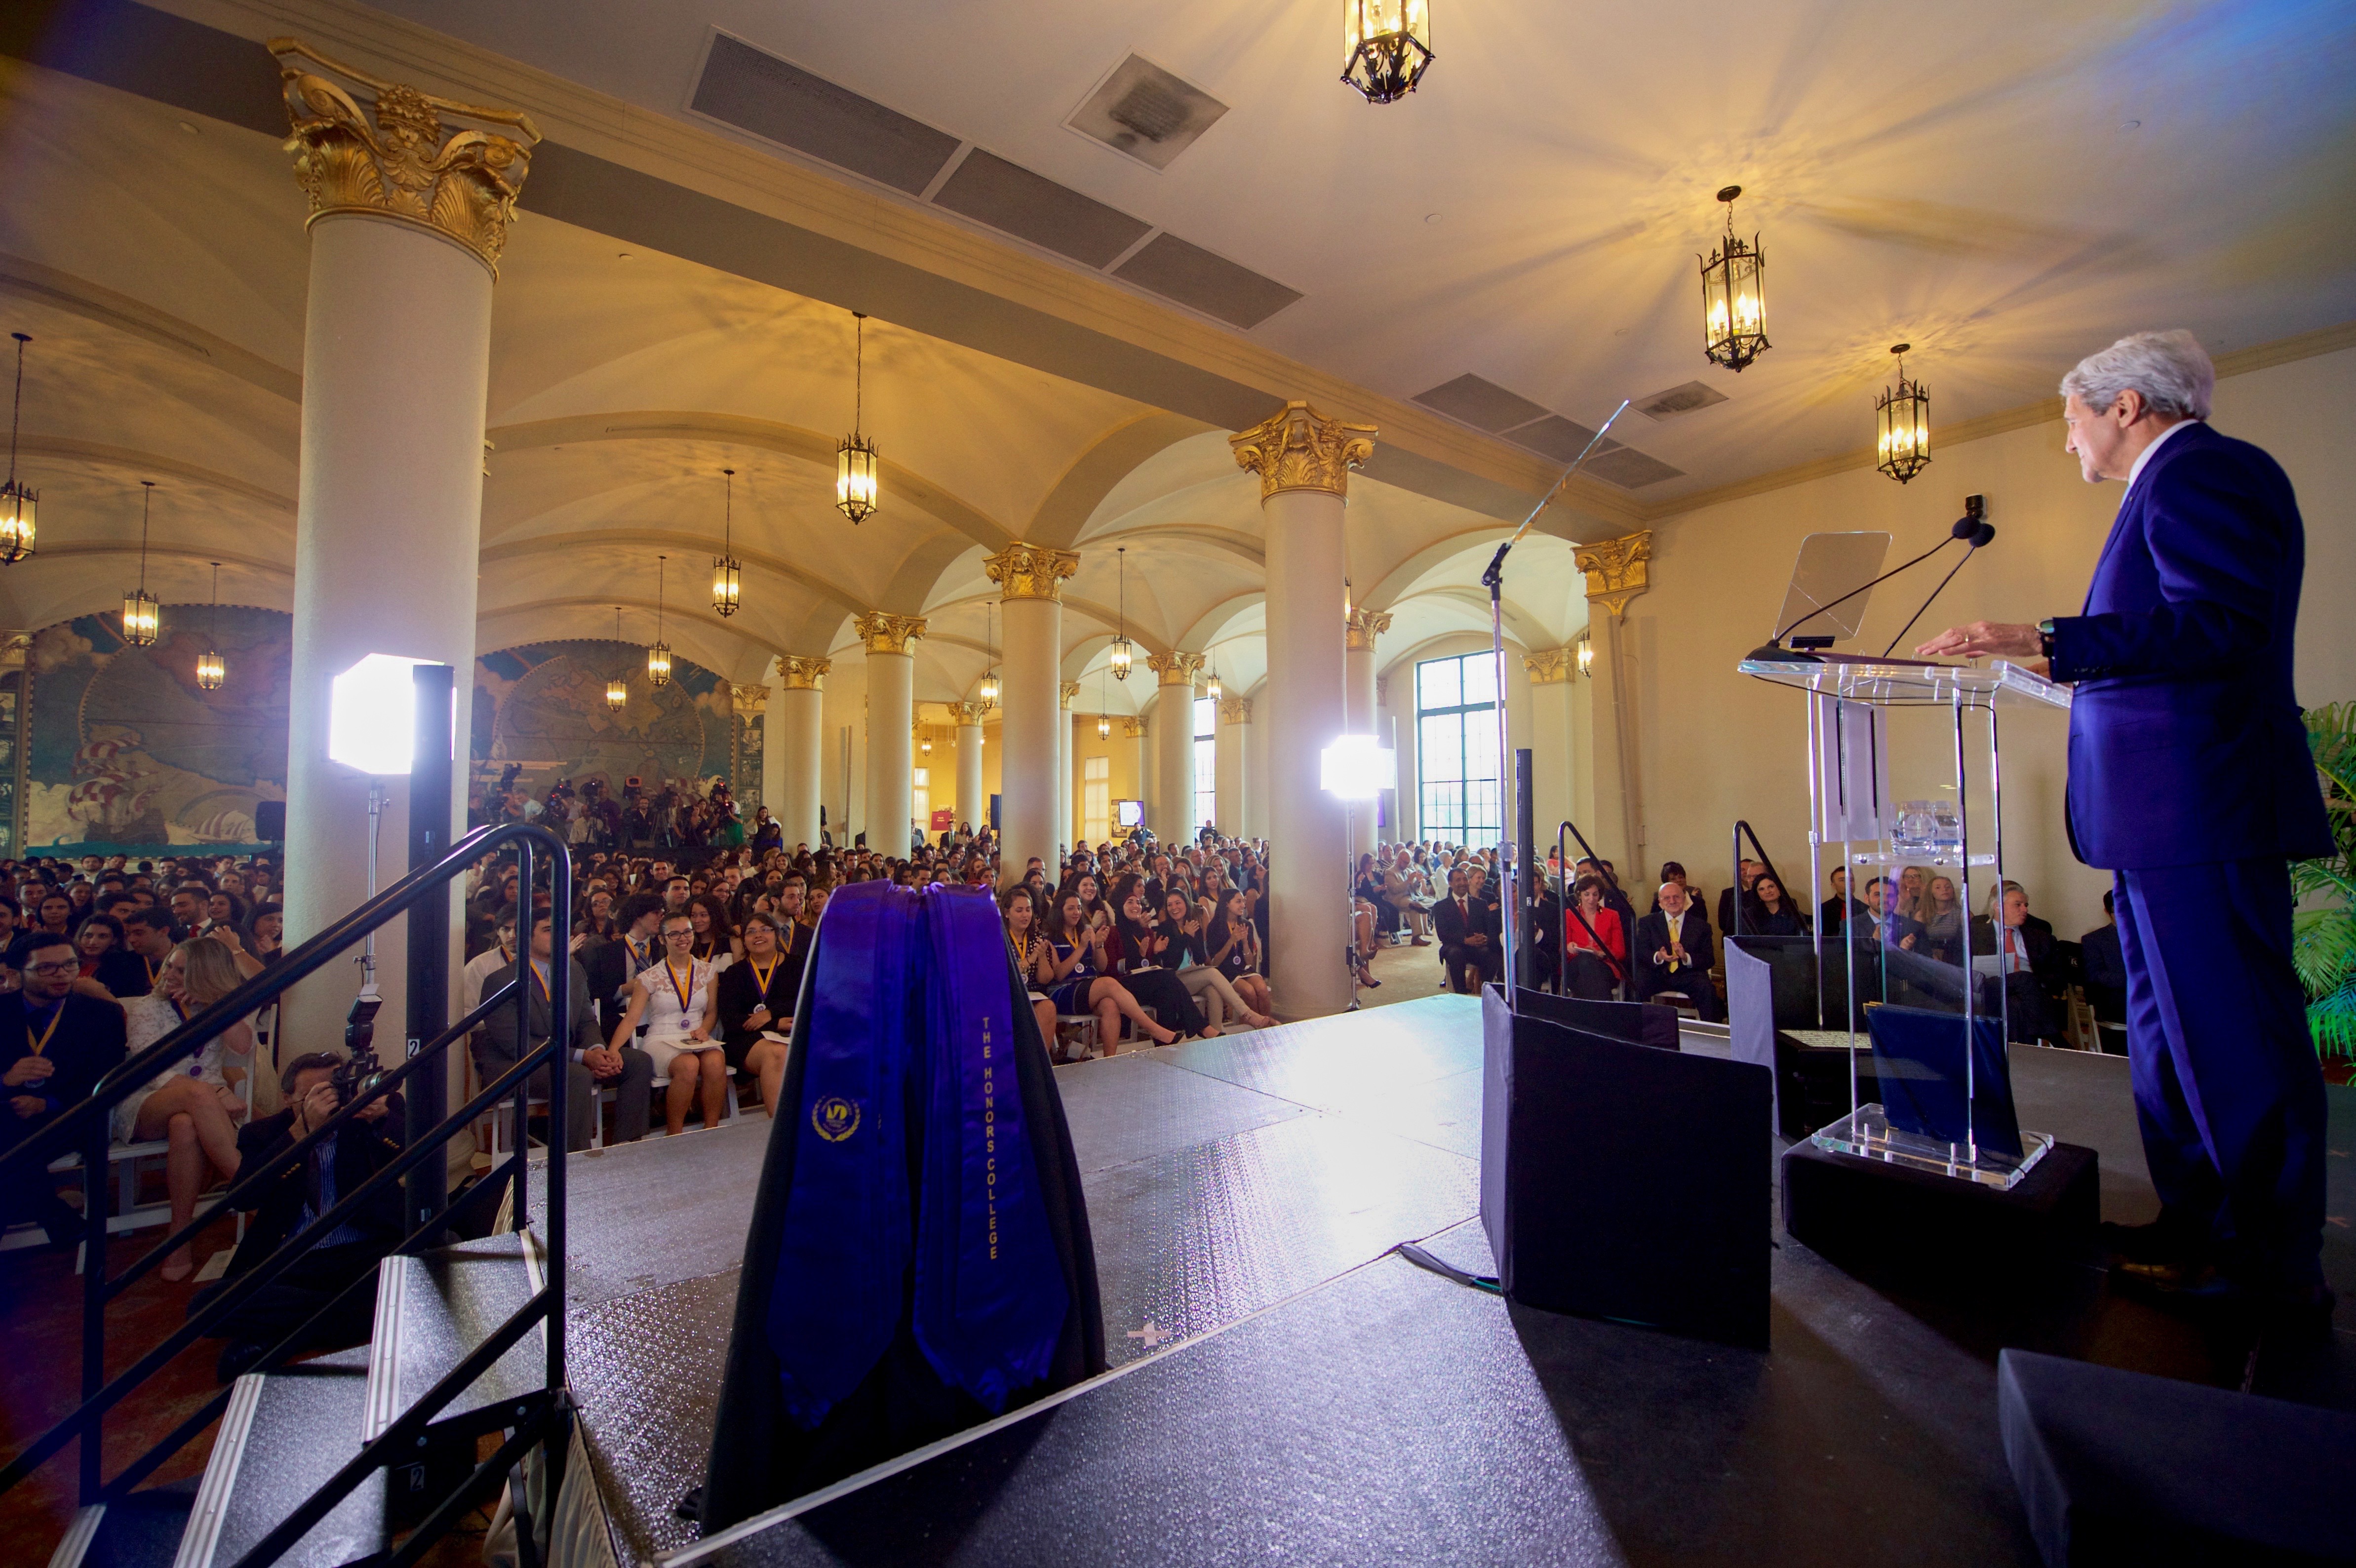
(285, 1436)
(433, 1309)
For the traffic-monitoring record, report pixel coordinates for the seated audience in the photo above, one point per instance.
(195, 1105)
(2106, 967)
(1236, 948)
(675, 1004)
(757, 998)
(1470, 943)
(591, 1064)
(54, 1044)
(1076, 968)
(1673, 952)
(1596, 943)
(1776, 915)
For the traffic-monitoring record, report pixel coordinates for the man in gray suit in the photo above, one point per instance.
(592, 1066)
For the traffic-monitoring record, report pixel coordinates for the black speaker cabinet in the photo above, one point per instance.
(1623, 1181)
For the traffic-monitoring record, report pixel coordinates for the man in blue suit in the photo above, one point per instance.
(2190, 781)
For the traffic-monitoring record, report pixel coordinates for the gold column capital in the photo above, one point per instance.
(1068, 691)
(1298, 448)
(396, 158)
(1234, 710)
(1175, 669)
(1362, 626)
(966, 715)
(1134, 728)
(1031, 571)
(884, 632)
(1616, 569)
(750, 700)
(800, 673)
(1550, 666)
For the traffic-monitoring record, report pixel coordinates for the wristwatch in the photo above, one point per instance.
(2045, 639)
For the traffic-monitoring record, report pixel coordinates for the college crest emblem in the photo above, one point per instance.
(835, 1118)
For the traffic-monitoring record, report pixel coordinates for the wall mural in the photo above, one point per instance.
(123, 753)
(541, 707)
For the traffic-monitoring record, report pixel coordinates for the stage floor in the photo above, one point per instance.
(1281, 1387)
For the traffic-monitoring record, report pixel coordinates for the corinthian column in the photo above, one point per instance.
(1174, 820)
(410, 200)
(1303, 460)
(971, 809)
(1360, 626)
(1618, 571)
(890, 721)
(1235, 724)
(1065, 787)
(1031, 582)
(790, 765)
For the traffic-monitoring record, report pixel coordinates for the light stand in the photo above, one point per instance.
(1493, 579)
(1355, 767)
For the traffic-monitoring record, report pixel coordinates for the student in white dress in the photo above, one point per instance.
(196, 1105)
(677, 1001)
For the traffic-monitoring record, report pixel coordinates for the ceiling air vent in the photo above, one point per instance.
(1628, 469)
(1483, 405)
(1678, 400)
(755, 91)
(1144, 111)
(1212, 285)
(1032, 207)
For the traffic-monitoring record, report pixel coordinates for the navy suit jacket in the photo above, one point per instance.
(2185, 740)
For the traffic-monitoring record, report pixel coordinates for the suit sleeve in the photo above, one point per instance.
(500, 1028)
(587, 1036)
(2218, 549)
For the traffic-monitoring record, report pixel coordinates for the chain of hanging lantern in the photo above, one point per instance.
(991, 687)
(727, 573)
(212, 670)
(142, 617)
(18, 503)
(1903, 416)
(856, 492)
(657, 652)
(1119, 656)
(617, 690)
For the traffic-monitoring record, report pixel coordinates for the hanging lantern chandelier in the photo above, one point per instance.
(855, 490)
(927, 745)
(142, 618)
(211, 667)
(617, 690)
(1733, 301)
(991, 689)
(727, 573)
(1213, 691)
(1587, 655)
(17, 503)
(658, 652)
(1386, 47)
(1119, 656)
(1903, 413)
(1104, 719)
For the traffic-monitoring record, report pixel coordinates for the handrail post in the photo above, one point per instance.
(519, 1213)
(427, 1191)
(94, 1202)
(560, 1150)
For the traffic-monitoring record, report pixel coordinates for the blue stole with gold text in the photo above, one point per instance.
(991, 1299)
(840, 1279)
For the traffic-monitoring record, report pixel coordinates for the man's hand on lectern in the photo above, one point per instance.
(1984, 638)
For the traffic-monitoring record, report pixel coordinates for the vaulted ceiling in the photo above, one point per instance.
(2003, 186)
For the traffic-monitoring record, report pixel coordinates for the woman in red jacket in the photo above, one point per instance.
(1612, 954)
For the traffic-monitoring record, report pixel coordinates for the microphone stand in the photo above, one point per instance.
(1979, 537)
(1493, 579)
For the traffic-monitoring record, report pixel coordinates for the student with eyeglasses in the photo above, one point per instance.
(54, 1044)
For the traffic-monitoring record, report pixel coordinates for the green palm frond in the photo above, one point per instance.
(2332, 1021)
(2323, 949)
(2309, 878)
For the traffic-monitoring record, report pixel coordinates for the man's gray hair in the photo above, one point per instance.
(2170, 370)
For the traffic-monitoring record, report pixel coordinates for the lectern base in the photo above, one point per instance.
(1866, 1134)
(1875, 1214)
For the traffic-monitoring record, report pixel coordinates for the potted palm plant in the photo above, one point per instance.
(2323, 932)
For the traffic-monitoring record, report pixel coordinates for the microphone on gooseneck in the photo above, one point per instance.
(1967, 527)
(1979, 534)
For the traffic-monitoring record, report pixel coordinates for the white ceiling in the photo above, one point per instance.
(2006, 183)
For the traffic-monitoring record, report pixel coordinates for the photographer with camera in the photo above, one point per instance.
(314, 1084)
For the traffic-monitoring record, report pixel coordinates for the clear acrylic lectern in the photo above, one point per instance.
(1851, 808)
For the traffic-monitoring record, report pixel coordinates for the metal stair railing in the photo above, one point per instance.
(1734, 918)
(541, 1418)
